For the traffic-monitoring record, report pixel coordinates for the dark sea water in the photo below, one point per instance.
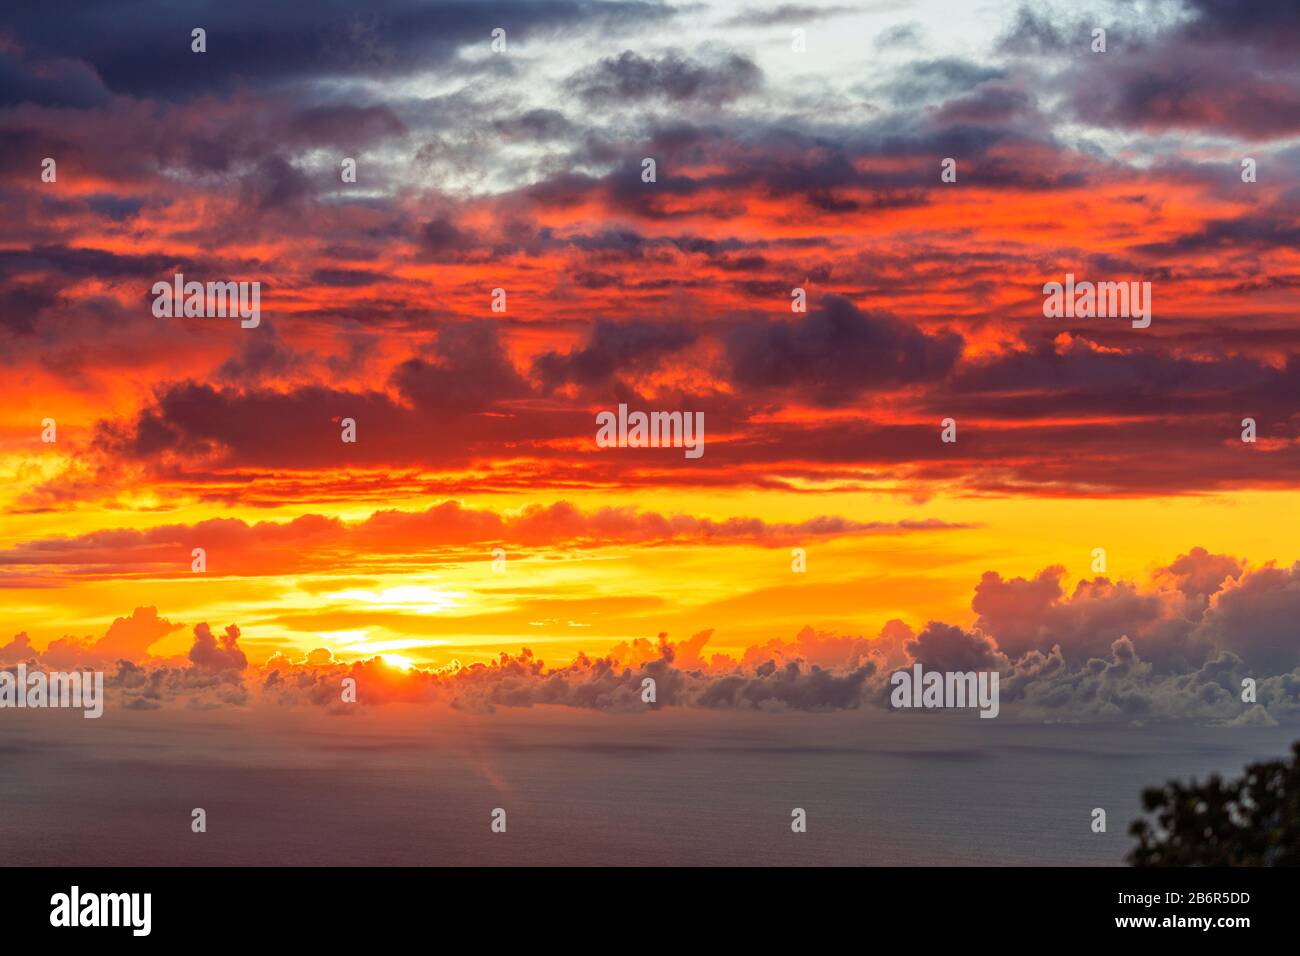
(416, 786)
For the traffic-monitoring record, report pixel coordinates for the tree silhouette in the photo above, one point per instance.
(1251, 821)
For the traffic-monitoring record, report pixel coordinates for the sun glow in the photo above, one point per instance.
(399, 661)
(416, 598)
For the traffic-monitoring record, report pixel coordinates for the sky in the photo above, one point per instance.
(828, 534)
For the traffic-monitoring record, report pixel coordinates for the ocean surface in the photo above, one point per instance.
(414, 785)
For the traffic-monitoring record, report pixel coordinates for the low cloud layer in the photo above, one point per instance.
(1180, 648)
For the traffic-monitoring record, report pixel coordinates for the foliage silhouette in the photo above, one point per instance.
(1250, 821)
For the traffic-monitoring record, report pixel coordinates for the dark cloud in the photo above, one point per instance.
(347, 278)
(538, 124)
(66, 83)
(748, 205)
(1201, 574)
(469, 372)
(1035, 33)
(1118, 381)
(789, 687)
(837, 352)
(1227, 67)
(991, 103)
(346, 126)
(259, 357)
(201, 688)
(1177, 90)
(613, 348)
(21, 304)
(1026, 615)
(939, 79)
(441, 240)
(117, 208)
(1254, 617)
(275, 184)
(630, 77)
(1265, 230)
(899, 36)
(1267, 22)
(84, 263)
(192, 419)
(943, 647)
(214, 654)
(786, 14)
(145, 50)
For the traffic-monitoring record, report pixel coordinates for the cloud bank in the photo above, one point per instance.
(1178, 649)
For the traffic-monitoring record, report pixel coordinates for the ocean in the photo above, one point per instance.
(416, 785)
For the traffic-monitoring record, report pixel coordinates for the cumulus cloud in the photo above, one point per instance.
(131, 637)
(1255, 616)
(138, 687)
(127, 638)
(944, 647)
(216, 654)
(1178, 648)
(1025, 615)
(814, 671)
(1200, 573)
(18, 649)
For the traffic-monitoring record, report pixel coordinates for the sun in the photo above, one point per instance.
(401, 662)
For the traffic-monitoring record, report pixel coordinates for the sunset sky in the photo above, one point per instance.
(776, 168)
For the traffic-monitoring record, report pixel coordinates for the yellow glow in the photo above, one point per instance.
(417, 598)
(560, 601)
(398, 661)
